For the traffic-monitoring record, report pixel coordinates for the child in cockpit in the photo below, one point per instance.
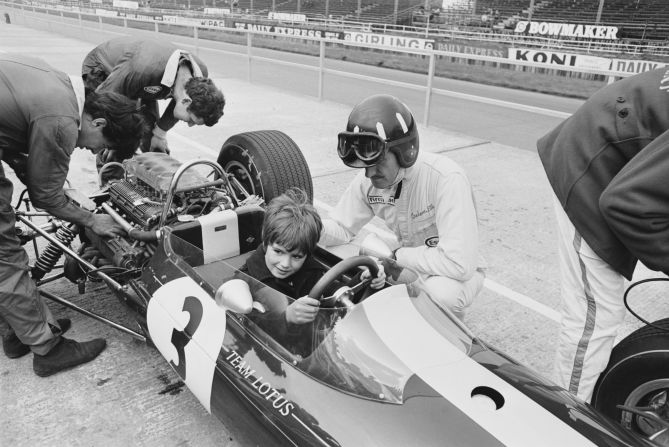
(284, 262)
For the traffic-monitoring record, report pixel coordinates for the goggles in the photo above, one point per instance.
(363, 149)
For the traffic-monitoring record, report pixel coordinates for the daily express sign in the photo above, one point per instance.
(567, 30)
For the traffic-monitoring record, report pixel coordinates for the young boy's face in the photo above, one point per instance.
(281, 262)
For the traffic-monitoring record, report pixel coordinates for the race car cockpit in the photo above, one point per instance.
(346, 344)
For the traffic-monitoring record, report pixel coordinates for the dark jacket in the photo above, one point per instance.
(609, 167)
(40, 118)
(135, 68)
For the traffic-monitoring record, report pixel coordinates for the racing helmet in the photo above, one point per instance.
(379, 124)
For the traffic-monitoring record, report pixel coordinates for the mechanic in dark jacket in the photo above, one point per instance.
(287, 271)
(608, 165)
(43, 117)
(151, 70)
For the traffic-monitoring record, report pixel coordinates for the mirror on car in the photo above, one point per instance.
(235, 295)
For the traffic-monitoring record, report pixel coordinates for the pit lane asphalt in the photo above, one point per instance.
(130, 396)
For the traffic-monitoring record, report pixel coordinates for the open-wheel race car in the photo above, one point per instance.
(376, 367)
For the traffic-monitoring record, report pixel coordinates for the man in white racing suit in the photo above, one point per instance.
(426, 200)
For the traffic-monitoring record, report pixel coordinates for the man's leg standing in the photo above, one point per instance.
(591, 310)
(22, 309)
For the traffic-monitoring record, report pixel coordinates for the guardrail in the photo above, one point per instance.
(79, 19)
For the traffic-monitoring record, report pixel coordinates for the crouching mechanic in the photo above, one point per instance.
(426, 200)
(608, 166)
(150, 70)
(43, 117)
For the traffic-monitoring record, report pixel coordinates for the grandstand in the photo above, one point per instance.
(638, 19)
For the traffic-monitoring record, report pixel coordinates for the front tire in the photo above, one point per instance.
(637, 376)
(266, 163)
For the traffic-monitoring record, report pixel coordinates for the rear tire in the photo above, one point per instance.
(266, 163)
(637, 371)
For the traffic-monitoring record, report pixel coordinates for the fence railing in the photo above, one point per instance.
(31, 15)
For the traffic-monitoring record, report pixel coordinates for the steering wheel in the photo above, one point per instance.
(341, 267)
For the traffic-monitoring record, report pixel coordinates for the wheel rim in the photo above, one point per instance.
(650, 397)
(243, 176)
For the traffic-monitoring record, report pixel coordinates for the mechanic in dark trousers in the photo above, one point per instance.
(43, 117)
(426, 200)
(608, 165)
(151, 70)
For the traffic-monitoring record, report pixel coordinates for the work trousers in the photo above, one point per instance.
(22, 309)
(592, 311)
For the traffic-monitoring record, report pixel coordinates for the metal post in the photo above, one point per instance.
(599, 12)
(321, 67)
(428, 91)
(531, 11)
(249, 43)
(197, 41)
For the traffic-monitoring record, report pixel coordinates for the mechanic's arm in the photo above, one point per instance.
(52, 140)
(348, 217)
(167, 120)
(635, 205)
(165, 123)
(456, 254)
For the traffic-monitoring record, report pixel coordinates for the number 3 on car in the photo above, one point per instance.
(188, 328)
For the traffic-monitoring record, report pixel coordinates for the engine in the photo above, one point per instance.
(146, 199)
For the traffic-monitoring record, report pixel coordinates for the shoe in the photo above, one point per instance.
(14, 348)
(67, 354)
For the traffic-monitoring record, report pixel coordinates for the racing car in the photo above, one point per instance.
(378, 367)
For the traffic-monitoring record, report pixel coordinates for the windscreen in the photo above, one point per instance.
(351, 348)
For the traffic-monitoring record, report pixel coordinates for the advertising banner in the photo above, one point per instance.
(217, 10)
(552, 29)
(635, 66)
(288, 31)
(557, 59)
(105, 12)
(143, 17)
(480, 49)
(387, 40)
(287, 17)
(178, 20)
(125, 4)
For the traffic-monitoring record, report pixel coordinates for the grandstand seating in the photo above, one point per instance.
(637, 18)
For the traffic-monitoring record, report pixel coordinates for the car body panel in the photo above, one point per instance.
(395, 370)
